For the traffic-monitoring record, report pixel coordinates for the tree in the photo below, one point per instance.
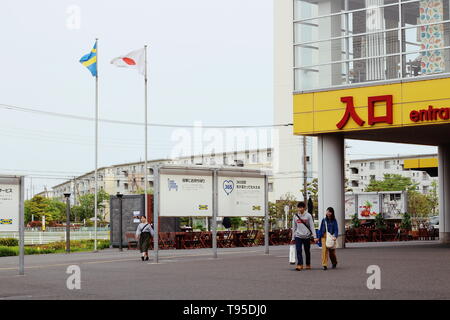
(139, 190)
(86, 209)
(39, 206)
(433, 198)
(313, 189)
(236, 222)
(276, 210)
(419, 205)
(392, 182)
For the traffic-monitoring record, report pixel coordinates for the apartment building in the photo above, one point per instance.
(360, 172)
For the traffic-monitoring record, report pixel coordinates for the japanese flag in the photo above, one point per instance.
(134, 59)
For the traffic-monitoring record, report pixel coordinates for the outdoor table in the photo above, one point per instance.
(179, 238)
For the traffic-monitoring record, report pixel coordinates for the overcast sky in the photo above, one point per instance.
(209, 61)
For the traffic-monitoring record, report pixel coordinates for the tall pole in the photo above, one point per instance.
(119, 196)
(96, 152)
(22, 227)
(214, 216)
(266, 214)
(156, 213)
(146, 128)
(67, 196)
(305, 171)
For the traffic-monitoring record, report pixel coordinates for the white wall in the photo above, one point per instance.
(288, 149)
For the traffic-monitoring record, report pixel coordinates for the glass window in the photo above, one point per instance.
(344, 42)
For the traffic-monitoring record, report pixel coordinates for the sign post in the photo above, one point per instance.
(22, 227)
(266, 215)
(156, 213)
(214, 218)
(67, 196)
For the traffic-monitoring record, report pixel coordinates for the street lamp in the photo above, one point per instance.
(120, 196)
(67, 196)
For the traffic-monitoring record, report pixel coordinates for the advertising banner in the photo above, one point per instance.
(368, 205)
(241, 196)
(350, 206)
(9, 205)
(186, 195)
(394, 205)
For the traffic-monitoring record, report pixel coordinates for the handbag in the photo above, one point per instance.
(292, 254)
(329, 242)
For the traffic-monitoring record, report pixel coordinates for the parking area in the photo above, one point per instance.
(410, 270)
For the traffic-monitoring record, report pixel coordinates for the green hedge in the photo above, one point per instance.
(9, 242)
(55, 247)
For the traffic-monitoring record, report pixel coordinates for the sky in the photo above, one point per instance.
(210, 62)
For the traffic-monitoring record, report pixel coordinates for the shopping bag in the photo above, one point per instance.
(292, 254)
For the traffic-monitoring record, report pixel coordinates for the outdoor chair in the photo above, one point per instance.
(166, 241)
(131, 240)
(205, 240)
(423, 234)
(188, 240)
(252, 237)
(274, 238)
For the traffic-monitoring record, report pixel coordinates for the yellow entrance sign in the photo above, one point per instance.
(420, 163)
(414, 103)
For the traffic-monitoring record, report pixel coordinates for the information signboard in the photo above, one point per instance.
(241, 196)
(185, 194)
(9, 204)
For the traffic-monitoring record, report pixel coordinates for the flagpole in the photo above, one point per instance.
(96, 152)
(146, 128)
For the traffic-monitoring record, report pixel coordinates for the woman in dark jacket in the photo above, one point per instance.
(332, 226)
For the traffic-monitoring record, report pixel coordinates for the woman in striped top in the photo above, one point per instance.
(143, 233)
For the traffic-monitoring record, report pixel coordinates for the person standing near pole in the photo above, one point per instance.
(143, 233)
(302, 232)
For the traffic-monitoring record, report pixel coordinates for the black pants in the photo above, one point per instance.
(306, 243)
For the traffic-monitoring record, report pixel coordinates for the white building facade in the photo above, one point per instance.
(290, 151)
(360, 172)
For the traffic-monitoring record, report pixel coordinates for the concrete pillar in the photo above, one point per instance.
(331, 180)
(444, 193)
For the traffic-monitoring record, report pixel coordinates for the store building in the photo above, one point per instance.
(375, 70)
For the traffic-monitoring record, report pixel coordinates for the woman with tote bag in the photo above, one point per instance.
(328, 233)
(143, 233)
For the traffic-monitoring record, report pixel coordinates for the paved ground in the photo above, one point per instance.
(408, 271)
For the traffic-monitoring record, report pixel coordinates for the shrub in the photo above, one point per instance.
(380, 222)
(406, 222)
(9, 251)
(55, 247)
(9, 242)
(355, 221)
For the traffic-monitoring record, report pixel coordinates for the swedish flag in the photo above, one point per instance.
(90, 60)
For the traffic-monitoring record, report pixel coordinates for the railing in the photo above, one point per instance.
(63, 229)
(39, 237)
